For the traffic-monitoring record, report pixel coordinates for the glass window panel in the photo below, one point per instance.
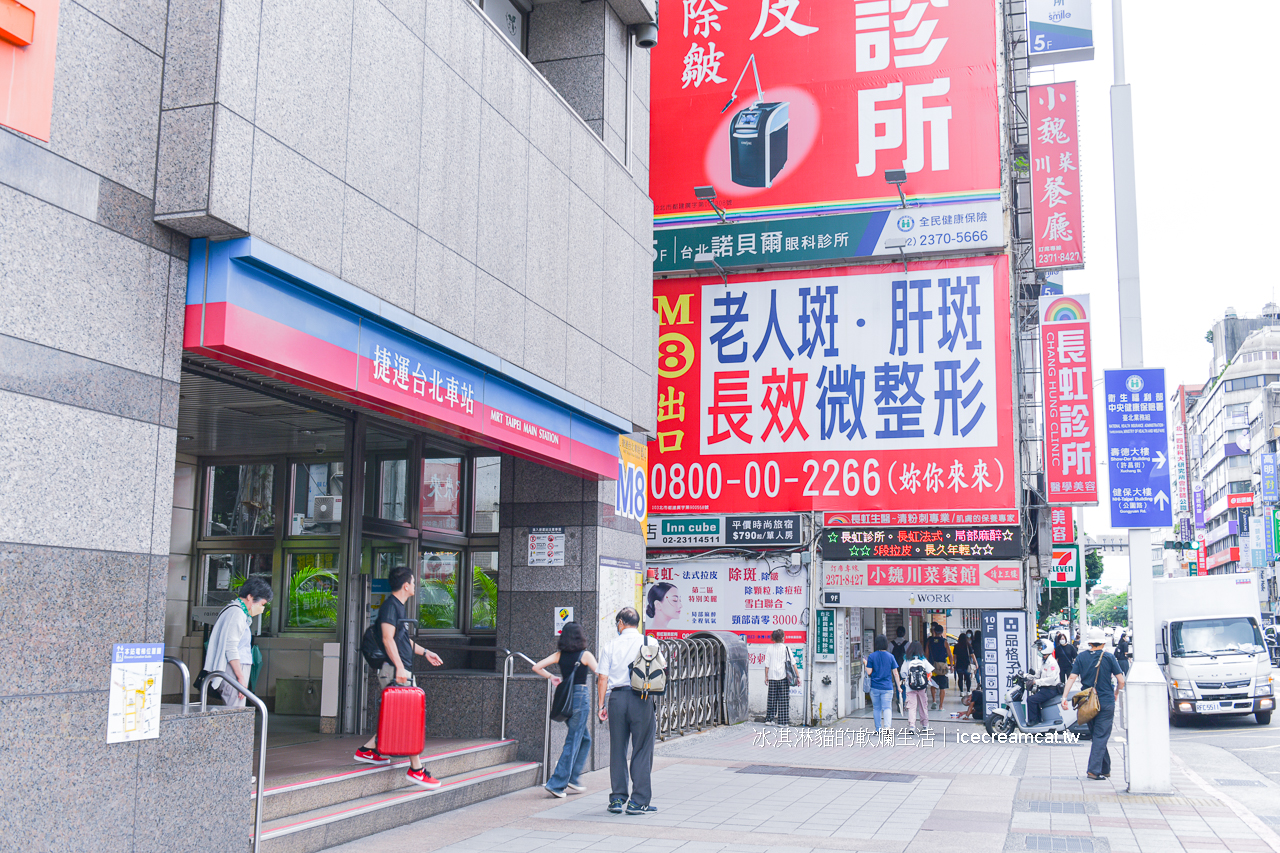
(313, 591)
(394, 489)
(484, 590)
(487, 484)
(317, 499)
(225, 573)
(386, 476)
(438, 589)
(442, 493)
(240, 501)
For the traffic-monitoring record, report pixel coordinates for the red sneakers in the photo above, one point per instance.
(372, 756)
(423, 778)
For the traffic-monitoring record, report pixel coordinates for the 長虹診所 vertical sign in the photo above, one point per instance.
(829, 388)
(1057, 240)
(1138, 448)
(1070, 447)
(798, 107)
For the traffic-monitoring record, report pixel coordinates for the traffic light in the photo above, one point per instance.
(1174, 545)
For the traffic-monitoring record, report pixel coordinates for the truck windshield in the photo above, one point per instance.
(1233, 635)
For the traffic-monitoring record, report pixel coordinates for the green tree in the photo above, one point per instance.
(1111, 608)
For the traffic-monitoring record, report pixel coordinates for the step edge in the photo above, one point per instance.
(394, 799)
(373, 771)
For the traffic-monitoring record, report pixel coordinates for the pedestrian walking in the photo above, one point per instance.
(400, 649)
(231, 640)
(935, 652)
(1095, 668)
(631, 718)
(882, 669)
(898, 648)
(1122, 652)
(778, 711)
(576, 665)
(916, 673)
(964, 680)
(1065, 653)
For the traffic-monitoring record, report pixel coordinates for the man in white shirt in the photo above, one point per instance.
(629, 717)
(1048, 684)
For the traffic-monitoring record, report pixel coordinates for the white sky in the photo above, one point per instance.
(1204, 133)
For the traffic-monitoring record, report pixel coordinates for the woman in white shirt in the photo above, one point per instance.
(775, 675)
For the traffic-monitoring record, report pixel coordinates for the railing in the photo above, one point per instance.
(694, 698)
(186, 682)
(261, 780)
(508, 669)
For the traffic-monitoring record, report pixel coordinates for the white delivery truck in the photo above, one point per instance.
(1210, 647)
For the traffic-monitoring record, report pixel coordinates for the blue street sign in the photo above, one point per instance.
(1138, 448)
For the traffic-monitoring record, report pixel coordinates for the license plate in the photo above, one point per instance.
(1209, 707)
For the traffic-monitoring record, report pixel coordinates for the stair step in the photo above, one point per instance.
(304, 793)
(339, 823)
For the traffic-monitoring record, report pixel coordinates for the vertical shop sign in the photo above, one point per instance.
(824, 641)
(1057, 241)
(1198, 503)
(1059, 31)
(1178, 449)
(1270, 485)
(1004, 652)
(1070, 446)
(633, 481)
(1062, 525)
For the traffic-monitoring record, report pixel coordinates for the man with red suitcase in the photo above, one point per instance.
(400, 648)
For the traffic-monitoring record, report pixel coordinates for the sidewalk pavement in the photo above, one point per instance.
(757, 789)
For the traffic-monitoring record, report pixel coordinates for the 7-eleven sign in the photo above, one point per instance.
(1065, 568)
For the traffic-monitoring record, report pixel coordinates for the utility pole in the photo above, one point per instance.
(1147, 714)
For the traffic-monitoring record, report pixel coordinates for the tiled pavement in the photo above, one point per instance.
(958, 797)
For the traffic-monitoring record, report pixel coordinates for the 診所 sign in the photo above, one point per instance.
(922, 543)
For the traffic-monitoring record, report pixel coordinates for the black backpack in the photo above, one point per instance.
(917, 678)
(371, 647)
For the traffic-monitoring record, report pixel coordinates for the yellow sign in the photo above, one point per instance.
(633, 481)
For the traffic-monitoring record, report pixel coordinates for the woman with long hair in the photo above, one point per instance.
(663, 605)
(580, 665)
(963, 654)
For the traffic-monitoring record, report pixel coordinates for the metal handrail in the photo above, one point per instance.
(186, 682)
(228, 678)
(508, 669)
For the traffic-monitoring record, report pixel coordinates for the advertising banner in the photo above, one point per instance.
(1198, 502)
(1057, 241)
(621, 584)
(1268, 533)
(834, 387)
(995, 583)
(1178, 458)
(1062, 525)
(1270, 481)
(1138, 445)
(1059, 31)
(922, 543)
(711, 531)
(799, 107)
(1005, 652)
(748, 596)
(1239, 500)
(1066, 355)
(632, 500)
(881, 519)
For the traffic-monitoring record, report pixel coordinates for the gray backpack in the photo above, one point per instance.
(649, 671)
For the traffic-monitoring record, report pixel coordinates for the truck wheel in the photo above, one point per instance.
(1176, 721)
(1263, 718)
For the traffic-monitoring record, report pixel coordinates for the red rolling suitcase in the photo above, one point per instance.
(402, 720)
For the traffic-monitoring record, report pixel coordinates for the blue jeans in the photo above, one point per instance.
(577, 745)
(882, 707)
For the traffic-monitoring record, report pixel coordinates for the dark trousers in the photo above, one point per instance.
(1036, 701)
(631, 719)
(964, 681)
(1100, 733)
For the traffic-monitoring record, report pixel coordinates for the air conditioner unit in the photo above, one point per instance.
(326, 508)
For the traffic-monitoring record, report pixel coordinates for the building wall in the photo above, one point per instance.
(411, 150)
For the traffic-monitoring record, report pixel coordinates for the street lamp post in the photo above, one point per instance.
(1147, 714)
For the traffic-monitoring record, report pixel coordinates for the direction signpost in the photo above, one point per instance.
(1138, 449)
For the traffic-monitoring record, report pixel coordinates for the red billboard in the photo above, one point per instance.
(1070, 447)
(796, 106)
(1062, 527)
(1058, 239)
(846, 388)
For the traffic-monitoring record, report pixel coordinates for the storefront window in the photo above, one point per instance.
(387, 476)
(224, 574)
(317, 499)
(487, 485)
(240, 500)
(394, 489)
(484, 590)
(442, 493)
(438, 590)
(312, 596)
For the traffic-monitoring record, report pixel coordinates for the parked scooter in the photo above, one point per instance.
(1011, 716)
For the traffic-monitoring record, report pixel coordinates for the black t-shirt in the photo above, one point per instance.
(935, 649)
(392, 612)
(1122, 649)
(1087, 669)
(962, 656)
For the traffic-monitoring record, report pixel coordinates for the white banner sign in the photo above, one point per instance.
(750, 597)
